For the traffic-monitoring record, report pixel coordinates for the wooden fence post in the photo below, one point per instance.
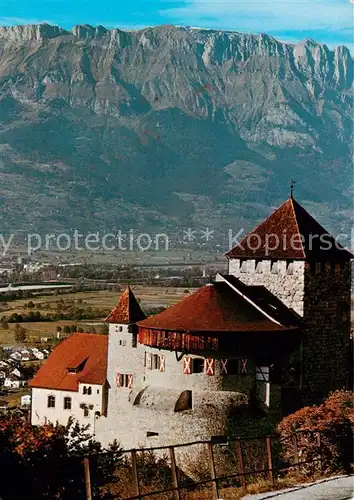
(269, 458)
(296, 451)
(176, 493)
(319, 445)
(240, 462)
(135, 474)
(87, 479)
(212, 472)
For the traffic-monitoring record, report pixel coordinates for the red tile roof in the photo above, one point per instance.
(127, 310)
(87, 351)
(286, 226)
(213, 308)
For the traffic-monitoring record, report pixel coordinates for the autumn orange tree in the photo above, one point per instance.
(334, 420)
(46, 461)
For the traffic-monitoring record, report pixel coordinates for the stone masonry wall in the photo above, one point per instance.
(149, 407)
(286, 280)
(327, 331)
(320, 293)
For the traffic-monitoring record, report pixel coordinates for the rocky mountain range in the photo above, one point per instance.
(170, 127)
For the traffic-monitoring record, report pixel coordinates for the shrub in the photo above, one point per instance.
(48, 459)
(334, 421)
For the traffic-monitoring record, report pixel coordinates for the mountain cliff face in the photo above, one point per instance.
(169, 127)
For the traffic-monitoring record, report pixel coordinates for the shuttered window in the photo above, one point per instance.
(124, 380)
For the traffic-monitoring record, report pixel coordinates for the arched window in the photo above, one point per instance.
(184, 402)
(84, 390)
(89, 391)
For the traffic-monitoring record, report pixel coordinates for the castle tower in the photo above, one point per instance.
(125, 359)
(296, 259)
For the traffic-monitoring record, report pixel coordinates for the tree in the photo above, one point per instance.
(66, 329)
(48, 459)
(20, 333)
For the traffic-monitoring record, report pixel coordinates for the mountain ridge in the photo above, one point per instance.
(169, 126)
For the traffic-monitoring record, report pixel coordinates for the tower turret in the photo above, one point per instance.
(295, 258)
(125, 359)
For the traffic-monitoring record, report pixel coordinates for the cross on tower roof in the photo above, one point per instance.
(292, 185)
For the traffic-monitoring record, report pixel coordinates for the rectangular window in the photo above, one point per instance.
(67, 403)
(134, 340)
(262, 373)
(233, 366)
(198, 365)
(51, 402)
(155, 361)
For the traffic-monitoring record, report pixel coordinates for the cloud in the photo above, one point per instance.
(266, 15)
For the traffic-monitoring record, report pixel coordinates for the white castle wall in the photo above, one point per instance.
(149, 407)
(41, 414)
(286, 280)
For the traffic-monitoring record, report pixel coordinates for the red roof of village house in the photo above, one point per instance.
(286, 226)
(127, 310)
(86, 352)
(215, 308)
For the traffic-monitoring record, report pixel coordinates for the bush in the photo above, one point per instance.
(334, 420)
(48, 459)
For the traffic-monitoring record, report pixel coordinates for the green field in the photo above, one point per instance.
(150, 297)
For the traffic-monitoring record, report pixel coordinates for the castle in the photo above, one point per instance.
(275, 329)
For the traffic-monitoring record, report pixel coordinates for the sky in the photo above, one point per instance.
(326, 21)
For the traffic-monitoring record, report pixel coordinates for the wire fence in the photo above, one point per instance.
(218, 464)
